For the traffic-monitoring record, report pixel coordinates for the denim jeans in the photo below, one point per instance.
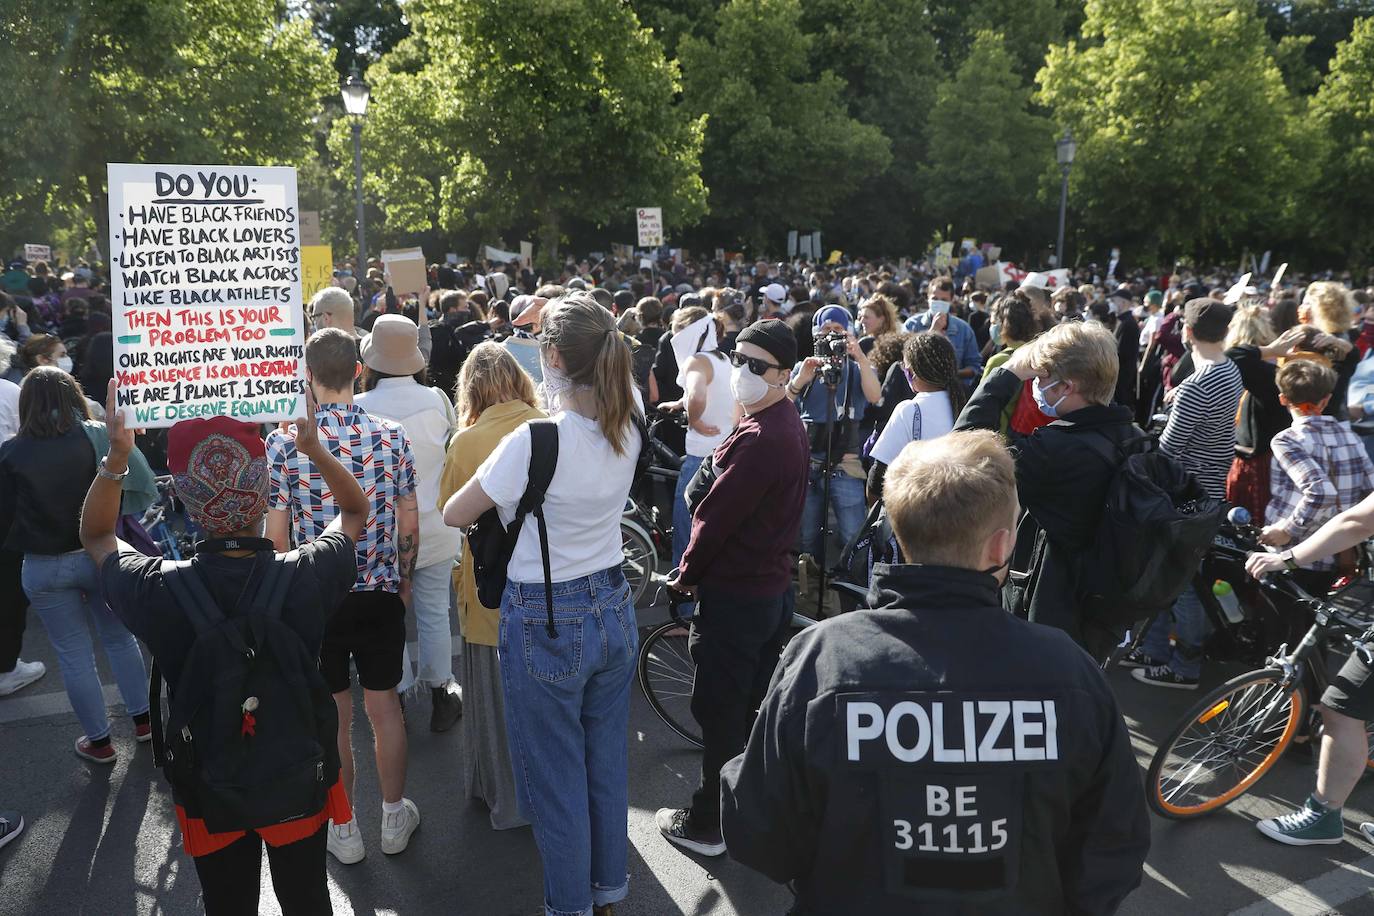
(64, 590)
(846, 498)
(1188, 621)
(682, 519)
(432, 600)
(567, 719)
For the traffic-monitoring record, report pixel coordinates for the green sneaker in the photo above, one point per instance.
(1310, 825)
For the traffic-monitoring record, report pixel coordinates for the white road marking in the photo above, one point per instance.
(1322, 894)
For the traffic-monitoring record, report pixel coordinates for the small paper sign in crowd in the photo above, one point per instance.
(206, 281)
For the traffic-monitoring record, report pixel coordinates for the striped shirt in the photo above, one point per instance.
(1201, 432)
(378, 453)
(1320, 468)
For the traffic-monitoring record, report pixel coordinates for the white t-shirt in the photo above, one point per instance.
(937, 418)
(582, 508)
(9, 410)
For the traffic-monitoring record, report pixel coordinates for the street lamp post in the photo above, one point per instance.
(1064, 150)
(355, 95)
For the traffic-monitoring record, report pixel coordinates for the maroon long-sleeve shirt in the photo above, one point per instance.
(744, 529)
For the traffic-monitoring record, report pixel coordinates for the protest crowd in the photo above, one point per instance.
(947, 743)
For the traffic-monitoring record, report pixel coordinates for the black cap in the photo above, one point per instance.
(1208, 318)
(624, 299)
(772, 335)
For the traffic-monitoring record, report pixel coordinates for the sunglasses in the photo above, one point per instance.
(756, 366)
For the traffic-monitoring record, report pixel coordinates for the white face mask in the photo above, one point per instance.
(64, 363)
(556, 385)
(747, 387)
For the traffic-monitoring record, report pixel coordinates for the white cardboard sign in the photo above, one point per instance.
(650, 222)
(205, 276)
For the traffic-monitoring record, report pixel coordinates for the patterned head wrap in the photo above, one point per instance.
(219, 470)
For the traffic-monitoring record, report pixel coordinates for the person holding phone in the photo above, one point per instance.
(938, 319)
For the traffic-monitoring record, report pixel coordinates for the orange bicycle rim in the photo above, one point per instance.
(1240, 788)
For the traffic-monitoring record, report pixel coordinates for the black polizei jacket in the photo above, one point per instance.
(1062, 484)
(937, 755)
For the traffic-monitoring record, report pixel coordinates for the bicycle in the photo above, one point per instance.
(644, 539)
(666, 670)
(1233, 736)
(176, 541)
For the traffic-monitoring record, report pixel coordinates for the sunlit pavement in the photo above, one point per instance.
(99, 839)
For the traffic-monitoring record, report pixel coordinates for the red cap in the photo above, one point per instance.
(219, 468)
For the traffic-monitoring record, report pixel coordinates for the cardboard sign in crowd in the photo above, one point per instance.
(205, 275)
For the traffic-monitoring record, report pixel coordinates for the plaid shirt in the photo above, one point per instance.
(378, 453)
(1320, 468)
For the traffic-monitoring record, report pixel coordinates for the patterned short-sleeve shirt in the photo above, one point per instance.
(377, 451)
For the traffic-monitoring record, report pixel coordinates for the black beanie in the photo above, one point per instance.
(774, 336)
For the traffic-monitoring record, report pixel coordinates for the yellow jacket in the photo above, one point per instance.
(469, 448)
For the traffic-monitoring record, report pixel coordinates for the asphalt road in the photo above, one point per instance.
(101, 840)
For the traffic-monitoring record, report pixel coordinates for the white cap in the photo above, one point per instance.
(775, 292)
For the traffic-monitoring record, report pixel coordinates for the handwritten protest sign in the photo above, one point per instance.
(205, 276)
(37, 253)
(317, 270)
(650, 222)
(310, 228)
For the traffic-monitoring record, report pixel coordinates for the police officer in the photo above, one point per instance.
(935, 754)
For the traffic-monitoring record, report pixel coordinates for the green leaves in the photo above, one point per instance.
(96, 81)
(1187, 136)
(780, 151)
(513, 119)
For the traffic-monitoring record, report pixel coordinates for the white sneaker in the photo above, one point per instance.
(345, 842)
(397, 828)
(24, 674)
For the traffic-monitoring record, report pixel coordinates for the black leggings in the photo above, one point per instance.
(229, 878)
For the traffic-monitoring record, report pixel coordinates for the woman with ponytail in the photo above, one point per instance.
(566, 670)
(931, 368)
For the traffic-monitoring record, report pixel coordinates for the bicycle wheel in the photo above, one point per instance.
(640, 560)
(666, 674)
(1224, 745)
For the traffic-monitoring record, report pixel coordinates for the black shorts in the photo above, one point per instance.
(370, 628)
(1352, 691)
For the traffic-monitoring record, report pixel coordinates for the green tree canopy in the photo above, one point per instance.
(884, 53)
(987, 149)
(491, 117)
(1343, 111)
(1187, 138)
(195, 81)
(780, 150)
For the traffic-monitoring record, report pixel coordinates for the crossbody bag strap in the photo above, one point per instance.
(155, 715)
(543, 461)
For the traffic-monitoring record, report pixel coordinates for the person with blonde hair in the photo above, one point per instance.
(1063, 481)
(494, 397)
(898, 741)
(877, 316)
(567, 664)
(1330, 308)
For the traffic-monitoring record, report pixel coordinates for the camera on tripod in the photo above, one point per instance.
(833, 347)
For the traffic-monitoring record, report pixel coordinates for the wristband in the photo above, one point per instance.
(111, 475)
(1289, 562)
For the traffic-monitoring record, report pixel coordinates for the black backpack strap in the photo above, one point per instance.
(187, 584)
(270, 596)
(543, 461)
(155, 715)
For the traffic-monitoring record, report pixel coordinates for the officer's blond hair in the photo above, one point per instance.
(946, 496)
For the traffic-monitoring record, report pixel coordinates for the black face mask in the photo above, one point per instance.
(994, 570)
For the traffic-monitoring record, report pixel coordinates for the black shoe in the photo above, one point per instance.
(676, 825)
(11, 825)
(448, 707)
(1138, 659)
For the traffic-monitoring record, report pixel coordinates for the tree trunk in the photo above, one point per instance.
(97, 186)
(548, 237)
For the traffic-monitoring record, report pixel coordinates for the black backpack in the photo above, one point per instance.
(1156, 525)
(491, 544)
(251, 737)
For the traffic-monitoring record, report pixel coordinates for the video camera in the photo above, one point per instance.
(832, 347)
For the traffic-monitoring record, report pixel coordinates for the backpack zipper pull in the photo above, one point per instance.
(249, 727)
